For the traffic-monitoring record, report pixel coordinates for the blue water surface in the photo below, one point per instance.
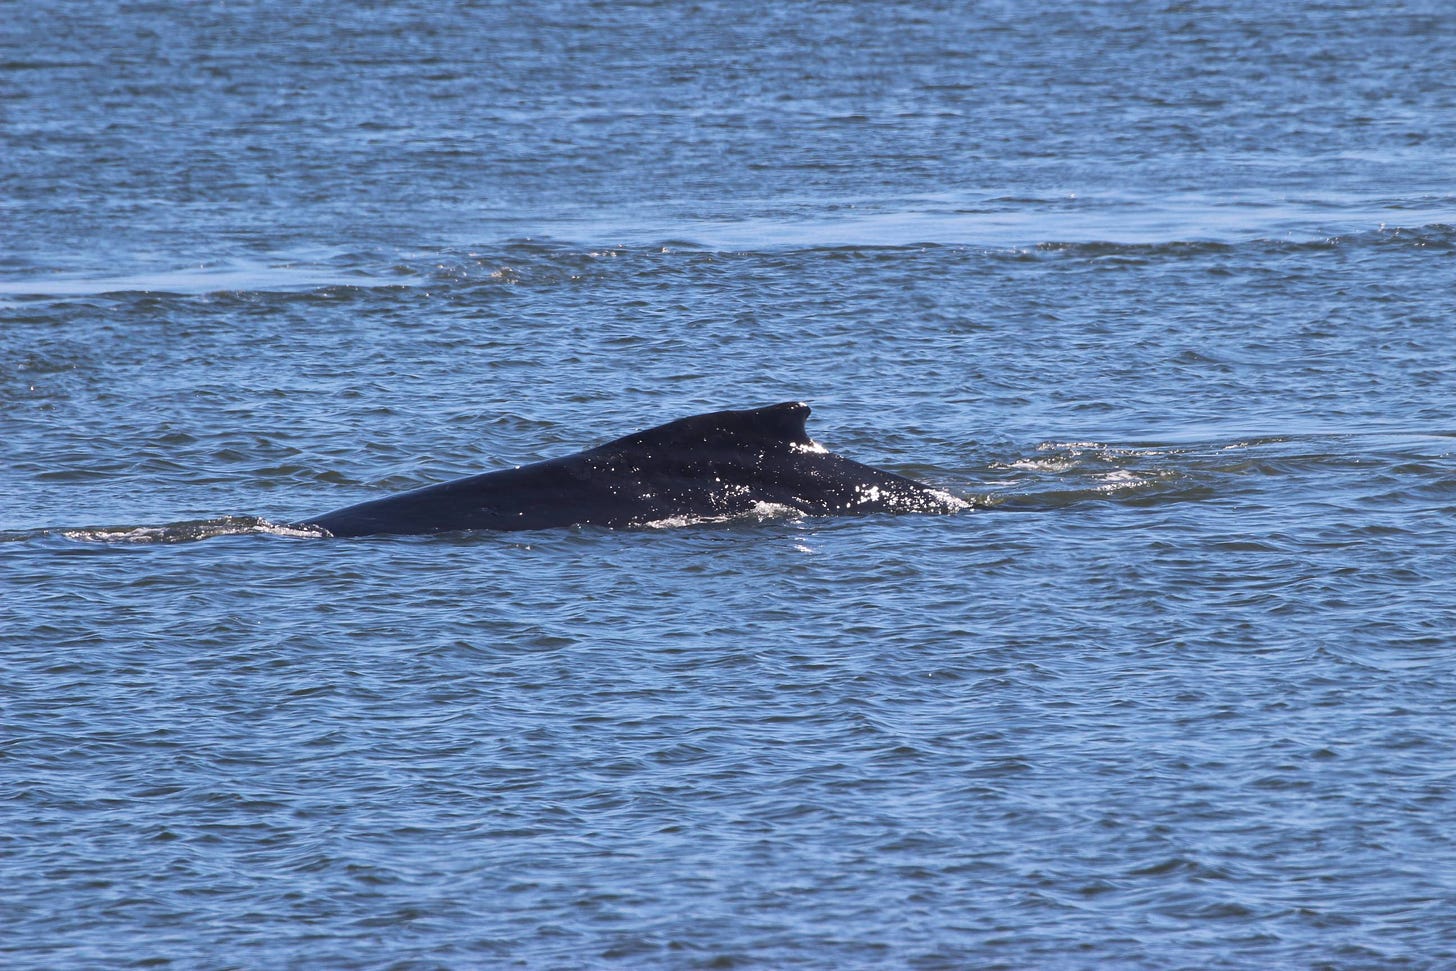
(1164, 289)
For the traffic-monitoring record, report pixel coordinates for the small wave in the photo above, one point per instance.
(185, 532)
(1065, 473)
(759, 512)
(1059, 474)
(1093, 224)
(232, 277)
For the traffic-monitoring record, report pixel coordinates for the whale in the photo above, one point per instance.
(712, 467)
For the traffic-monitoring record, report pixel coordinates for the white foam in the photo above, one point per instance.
(758, 512)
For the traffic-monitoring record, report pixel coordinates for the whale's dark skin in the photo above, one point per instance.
(709, 466)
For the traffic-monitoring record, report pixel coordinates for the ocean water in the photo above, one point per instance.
(1165, 289)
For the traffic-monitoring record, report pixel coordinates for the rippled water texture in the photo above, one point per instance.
(1164, 290)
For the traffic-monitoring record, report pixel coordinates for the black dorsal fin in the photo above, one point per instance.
(775, 426)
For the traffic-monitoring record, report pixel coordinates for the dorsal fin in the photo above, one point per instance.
(777, 425)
